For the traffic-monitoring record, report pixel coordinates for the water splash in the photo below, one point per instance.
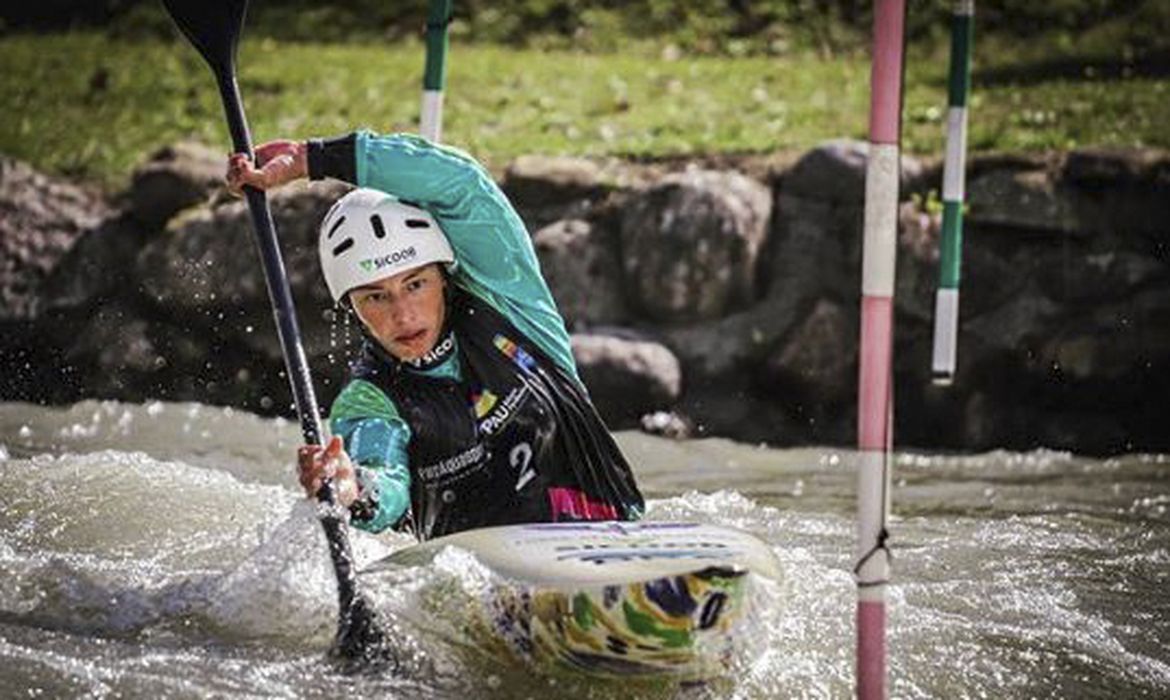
(144, 560)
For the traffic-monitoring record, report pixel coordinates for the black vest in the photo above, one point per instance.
(516, 441)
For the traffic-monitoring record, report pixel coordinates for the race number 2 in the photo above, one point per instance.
(521, 459)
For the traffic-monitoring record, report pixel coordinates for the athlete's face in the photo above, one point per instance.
(405, 313)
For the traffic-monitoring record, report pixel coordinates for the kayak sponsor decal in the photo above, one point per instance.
(500, 412)
(649, 550)
(456, 467)
(514, 352)
(575, 504)
(622, 528)
(601, 557)
(645, 545)
(384, 261)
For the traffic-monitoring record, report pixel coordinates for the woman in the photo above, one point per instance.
(465, 409)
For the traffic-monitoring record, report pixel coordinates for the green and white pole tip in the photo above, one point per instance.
(946, 305)
(435, 74)
(431, 121)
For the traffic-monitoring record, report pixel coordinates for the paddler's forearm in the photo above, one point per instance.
(378, 448)
(332, 158)
(407, 166)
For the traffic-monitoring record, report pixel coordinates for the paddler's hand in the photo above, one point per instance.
(280, 162)
(316, 463)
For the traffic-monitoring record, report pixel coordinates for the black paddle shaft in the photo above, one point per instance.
(284, 311)
(279, 293)
(214, 27)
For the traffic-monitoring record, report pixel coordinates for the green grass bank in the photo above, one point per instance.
(91, 106)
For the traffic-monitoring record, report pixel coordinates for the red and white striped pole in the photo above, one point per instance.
(875, 387)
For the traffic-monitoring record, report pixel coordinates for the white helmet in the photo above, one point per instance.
(369, 235)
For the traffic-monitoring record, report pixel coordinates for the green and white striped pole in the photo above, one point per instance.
(435, 74)
(946, 301)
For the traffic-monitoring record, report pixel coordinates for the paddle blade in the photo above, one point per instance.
(212, 26)
(361, 644)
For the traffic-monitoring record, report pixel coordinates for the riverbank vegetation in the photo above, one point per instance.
(91, 96)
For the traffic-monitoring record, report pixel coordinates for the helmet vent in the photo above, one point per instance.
(379, 228)
(342, 247)
(336, 225)
(417, 223)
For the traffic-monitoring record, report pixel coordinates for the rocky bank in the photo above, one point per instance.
(705, 297)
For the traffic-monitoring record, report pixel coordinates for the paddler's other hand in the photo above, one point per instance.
(277, 163)
(316, 463)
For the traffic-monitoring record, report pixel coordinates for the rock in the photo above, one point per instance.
(205, 267)
(627, 376)
(174, 178)
(41, 218)
(114, 345)
(1123, 197)
(989, 423)
(835, 172)
(807, 261)
(545, 189)
(580, 263)
(1017, 326)
(1092, 432)
(917, 272)
(712, 349)
(731, 406)
(204, 260)
(99, 267)
(1022, 199)
(1105, 344)
(995, 269)
(817, 361)
(35, 367)
(552, 179)
(995, 421)
(667, 424)
(690, 244)
(1111, 167)
(815, 247)
(1082, 277)
(1064, 309)
(814, 253)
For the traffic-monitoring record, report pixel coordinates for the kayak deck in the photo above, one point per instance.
(674, 601)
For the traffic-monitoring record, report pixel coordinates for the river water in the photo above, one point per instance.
(162, 550)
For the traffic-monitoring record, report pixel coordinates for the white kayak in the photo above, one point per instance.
(677, 601)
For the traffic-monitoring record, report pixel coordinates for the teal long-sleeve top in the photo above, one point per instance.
(494, 259)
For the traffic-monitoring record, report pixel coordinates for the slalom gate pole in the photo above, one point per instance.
(875, 379)
(946, 301)
(435, 73)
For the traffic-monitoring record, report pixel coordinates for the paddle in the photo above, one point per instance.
(213, 27)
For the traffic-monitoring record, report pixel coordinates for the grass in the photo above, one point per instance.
(91, 107)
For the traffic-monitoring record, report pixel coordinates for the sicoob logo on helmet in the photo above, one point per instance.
(371, 264)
